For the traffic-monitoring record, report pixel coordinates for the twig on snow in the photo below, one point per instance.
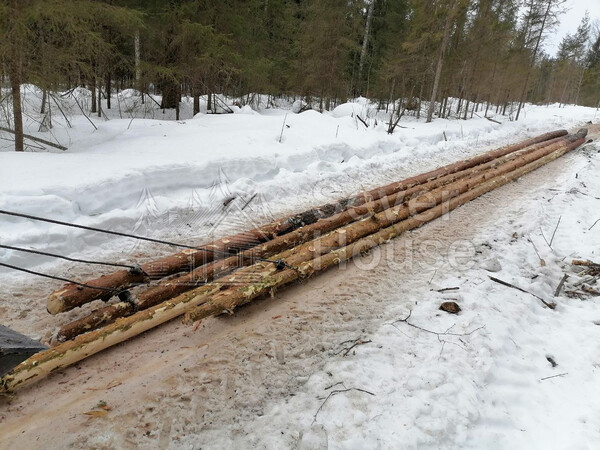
(355, 343)
(544, 236)
(448, 289)
(249, 201)
(560, 285)
(584, 193)
(554, 233)
(507, 284)
(335, 392)
(363, 122)
(282, 128)
(542, 262)
(443, 333)
(439, 335)
(594, 224)
(433, 276)
(554, 376)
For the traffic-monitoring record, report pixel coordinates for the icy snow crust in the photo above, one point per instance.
(261, 378)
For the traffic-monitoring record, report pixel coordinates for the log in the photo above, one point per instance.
(171, 288)
(71, 296)
(36, 139)
(227, 301)
(212, 301)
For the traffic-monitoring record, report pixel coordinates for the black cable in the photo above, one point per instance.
(52, 277)
(278, 263)
(53, 255)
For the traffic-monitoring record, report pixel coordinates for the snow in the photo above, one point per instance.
(101, 179)
(262, 378)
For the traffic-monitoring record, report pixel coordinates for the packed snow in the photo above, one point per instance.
(358, 358)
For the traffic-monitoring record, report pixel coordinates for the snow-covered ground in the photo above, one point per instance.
(283, 372)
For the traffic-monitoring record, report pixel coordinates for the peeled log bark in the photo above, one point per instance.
(213, 302)
(171, 288)
(71, 296)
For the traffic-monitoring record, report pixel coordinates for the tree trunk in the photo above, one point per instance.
(170, 90)
(178, 103)
(440, 63)
(15, 78)
(93, 89)
(44, 100)
(108, 83)
(15, 86)
(535, 51)
(196, 95)
(365, 45)
(99, 97)
(138, 66)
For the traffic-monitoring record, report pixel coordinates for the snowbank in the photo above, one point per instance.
(114, 176)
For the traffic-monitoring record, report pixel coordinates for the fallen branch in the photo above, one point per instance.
(505, 283)
(448, 289)
(83, 112)
(36, 139)
(363, 122)
(60, 109)
(356, 343)
(492, 120)
(560, 285)
(554, 376)
(554, 233)
(542, 261)
(593, 268)
(442, 333)
(338, 391)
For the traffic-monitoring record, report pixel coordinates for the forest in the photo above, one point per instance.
(482, 54)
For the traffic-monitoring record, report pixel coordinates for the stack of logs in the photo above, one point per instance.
(222, 275)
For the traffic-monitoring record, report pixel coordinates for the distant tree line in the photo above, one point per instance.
(485, 53)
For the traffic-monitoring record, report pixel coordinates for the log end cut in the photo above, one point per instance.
(55, 303)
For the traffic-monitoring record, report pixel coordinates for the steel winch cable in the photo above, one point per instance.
(52, 277)
(278, 263)
(67, 258)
